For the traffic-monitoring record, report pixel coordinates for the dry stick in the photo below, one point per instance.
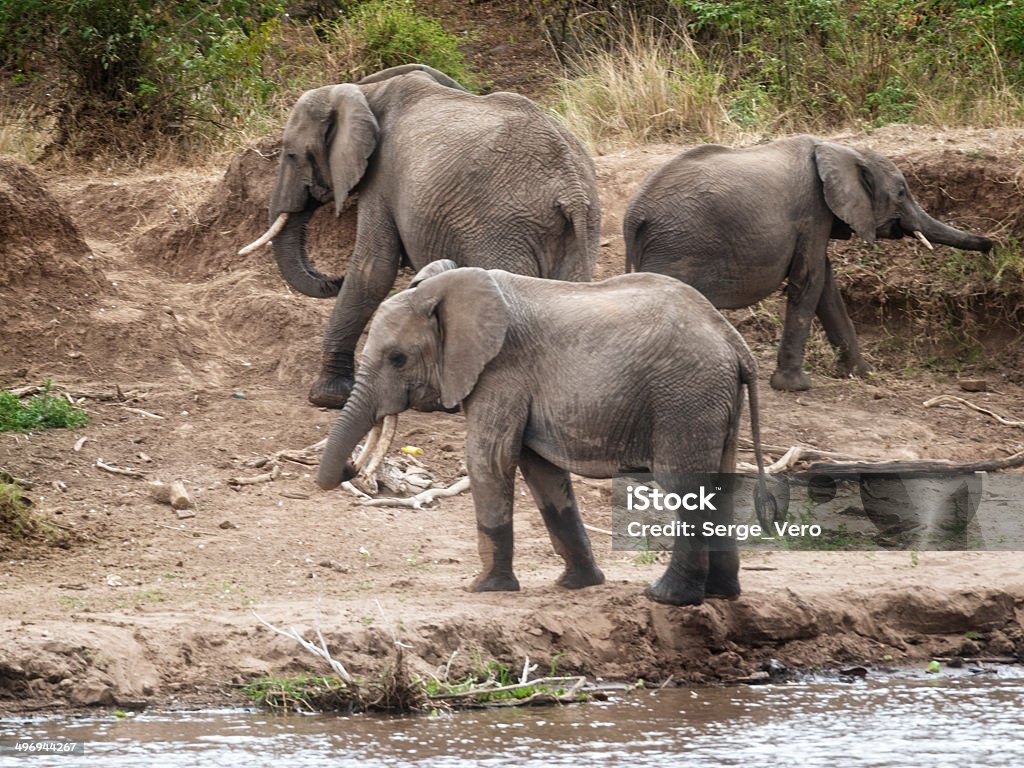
(119, 470)
(322, 652)
(950, 399)
(421, 499)
(266, 477)
(141, 412)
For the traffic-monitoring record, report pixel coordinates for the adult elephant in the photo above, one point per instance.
(736, 223)
(487, 181)
(637, 373)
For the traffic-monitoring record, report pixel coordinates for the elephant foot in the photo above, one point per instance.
(578, 578)
(723, 575)
(847, 368)
(790, 381)
(495, 582)
(331, 391)
(661, 591)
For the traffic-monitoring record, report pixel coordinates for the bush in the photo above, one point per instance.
(116, 79)
(117, 73)
(387, 33)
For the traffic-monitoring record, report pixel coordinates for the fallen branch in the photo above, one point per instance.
(553, 689)
(127, 472)
(321, 650)
(421, 499)
(951, 400)
(266, 477)
(141, 412)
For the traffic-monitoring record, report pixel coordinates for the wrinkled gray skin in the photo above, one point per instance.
(487, 181)
(635, 373)
(736, 223)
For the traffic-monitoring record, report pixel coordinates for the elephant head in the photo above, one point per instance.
(325, 151)
(426, 348)
(869, 196)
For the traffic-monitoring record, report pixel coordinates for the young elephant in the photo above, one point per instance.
(736, 223)
(636, 373)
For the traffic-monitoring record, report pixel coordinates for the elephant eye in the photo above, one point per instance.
(397, 359)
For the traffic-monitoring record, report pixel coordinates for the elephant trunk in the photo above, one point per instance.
(293, 261)
(936, 232)
(356, 419)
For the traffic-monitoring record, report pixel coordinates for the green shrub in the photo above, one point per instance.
(119, 73)
(38, 412)
(387, 33)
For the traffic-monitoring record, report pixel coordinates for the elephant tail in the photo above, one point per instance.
(581, 257)
(633, 230)
(765, 504)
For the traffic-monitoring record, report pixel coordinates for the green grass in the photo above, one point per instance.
(35, 413)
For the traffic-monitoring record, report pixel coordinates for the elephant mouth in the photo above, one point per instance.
(320, 194)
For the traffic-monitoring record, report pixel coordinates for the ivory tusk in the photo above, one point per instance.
(924, 240)
(388, 428)
(368, 445)
(267, 236)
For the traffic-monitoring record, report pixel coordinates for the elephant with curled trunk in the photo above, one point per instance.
(637, 373)
(736, 223)
(488, 181)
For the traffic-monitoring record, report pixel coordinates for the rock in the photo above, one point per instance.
(973, 385)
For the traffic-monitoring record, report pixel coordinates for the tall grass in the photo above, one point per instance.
(652, 86)
(716, 71)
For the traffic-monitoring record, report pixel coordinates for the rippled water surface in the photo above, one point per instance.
(936, 722)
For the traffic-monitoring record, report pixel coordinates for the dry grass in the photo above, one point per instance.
(653, 86)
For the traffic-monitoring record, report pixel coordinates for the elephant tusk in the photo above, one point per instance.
(388, 428)
(368, 445)
(267, 236)
(920, 236)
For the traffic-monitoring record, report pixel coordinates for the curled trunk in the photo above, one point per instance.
(293, 261)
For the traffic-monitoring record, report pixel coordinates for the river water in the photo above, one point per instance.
(935, 721)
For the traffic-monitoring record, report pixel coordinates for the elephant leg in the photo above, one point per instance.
(552, 490)
(839, 328)
(367, 283)
(492, 453)
(802, 295)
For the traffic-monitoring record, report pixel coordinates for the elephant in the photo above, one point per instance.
(736, 223)
(487, 181)
(636, 373)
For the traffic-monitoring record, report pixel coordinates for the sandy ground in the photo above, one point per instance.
(194, 364)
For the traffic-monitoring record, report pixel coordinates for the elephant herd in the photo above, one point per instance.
(496, 205)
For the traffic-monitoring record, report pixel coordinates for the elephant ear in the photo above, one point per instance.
(433, 268)
(353, 140)
(472, 318)
(844, 177)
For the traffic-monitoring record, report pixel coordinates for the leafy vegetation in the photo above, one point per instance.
(45, 410)
(128, 79)
(109, 78)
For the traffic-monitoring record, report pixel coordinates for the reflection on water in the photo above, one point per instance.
(936, 722)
